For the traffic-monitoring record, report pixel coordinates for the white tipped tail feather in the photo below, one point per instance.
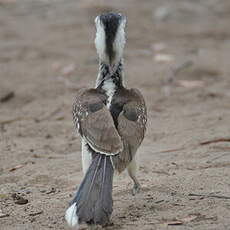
(71, 215)
(93, 203)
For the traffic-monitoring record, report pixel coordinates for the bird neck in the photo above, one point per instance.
(112, 77)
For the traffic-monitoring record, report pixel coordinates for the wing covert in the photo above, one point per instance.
(95, 123)
(131, 127)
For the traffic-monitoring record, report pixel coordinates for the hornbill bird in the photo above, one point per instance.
(111, 121)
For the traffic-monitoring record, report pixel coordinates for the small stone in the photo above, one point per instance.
(35, 213)
(164, 58)
(53, 190)
(19, 199)
(161, 13)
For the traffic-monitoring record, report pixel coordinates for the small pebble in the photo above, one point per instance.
(19, 199)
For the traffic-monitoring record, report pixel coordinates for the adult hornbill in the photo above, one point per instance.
(111, 120)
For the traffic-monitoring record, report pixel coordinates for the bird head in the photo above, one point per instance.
(110, 38)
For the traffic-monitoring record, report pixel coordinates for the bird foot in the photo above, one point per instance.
(99, 227)
(136, 189)
(109, 224)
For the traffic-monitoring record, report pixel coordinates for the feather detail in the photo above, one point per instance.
(71, 216)
(93, 202)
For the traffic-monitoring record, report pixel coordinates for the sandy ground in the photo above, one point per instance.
(177, 54)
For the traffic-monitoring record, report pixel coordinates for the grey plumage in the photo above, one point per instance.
(94, 196)
(111, 120)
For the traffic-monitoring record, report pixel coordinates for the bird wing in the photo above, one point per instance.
(131, 127)
(95, 123)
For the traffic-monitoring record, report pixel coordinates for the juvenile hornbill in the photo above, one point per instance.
(111, 120)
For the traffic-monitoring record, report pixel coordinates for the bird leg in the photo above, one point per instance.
(132, 170)
(86, 157)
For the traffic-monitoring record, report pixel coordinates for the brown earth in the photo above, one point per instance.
(177, 54)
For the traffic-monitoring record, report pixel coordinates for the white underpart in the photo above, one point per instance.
(109, 88)
(100, 39)
(71, 216)
(86, 156)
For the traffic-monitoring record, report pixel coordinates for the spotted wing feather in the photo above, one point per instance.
(95, 123)
(131, 127)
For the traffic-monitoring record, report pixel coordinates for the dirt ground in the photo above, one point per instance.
(177, 54)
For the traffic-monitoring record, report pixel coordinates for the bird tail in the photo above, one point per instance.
(93, 203)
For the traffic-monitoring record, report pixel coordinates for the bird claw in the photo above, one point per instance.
(136, 189)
